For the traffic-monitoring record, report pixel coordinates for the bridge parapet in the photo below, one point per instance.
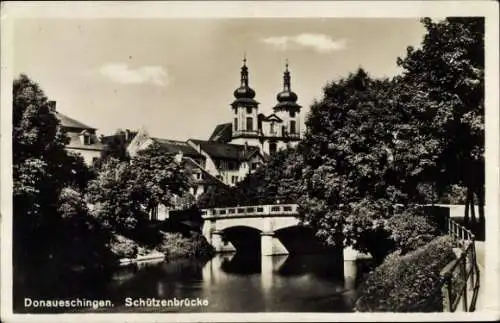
(250, 211)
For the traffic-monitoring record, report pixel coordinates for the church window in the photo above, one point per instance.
(235, 124)
(292, 114)
(292, 126)
(272, 148)
(249, 124)
(249, 110)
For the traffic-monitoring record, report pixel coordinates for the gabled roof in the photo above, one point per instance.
(207, 178)
(175, 146)
(68, 122)
(218, 150)
(222, 133)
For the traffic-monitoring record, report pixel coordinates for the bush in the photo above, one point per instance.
(123, 247)
(411, 229)
(408, 283)
(175, 245)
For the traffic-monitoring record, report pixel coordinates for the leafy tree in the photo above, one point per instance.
(218, 196)
(125, 192)
(446, 78)
(116, 147)
(163, 178)
(351, 178)
(41, 169)
(117, 196)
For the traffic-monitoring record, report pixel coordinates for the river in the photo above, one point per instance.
(225, 283)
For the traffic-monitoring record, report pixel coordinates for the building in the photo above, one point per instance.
(82, 138)
(249, 127)
(207, 159)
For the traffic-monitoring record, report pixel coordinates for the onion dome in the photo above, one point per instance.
(287, 95)
(244, 91)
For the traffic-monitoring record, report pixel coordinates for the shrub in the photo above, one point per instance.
(123, 247)
(175, 245)
(411, 229)
(407, 283)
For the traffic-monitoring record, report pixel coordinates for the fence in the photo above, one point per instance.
(461, 276)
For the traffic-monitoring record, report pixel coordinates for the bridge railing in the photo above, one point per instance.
(252, 210)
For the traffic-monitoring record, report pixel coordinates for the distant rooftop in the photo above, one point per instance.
(220, 150)
(68, 122)
(175, 146)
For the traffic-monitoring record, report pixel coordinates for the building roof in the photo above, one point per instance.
(68, 122)
(207, 178)
(220, 150)
(175, 146)
(117, 137)
(76, 143)
(222, 133)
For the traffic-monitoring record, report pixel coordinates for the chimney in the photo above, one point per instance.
(52, 106)
(127, 135)
(178, 157)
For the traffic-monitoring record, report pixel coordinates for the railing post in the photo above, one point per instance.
(446, 291)
(464, 276)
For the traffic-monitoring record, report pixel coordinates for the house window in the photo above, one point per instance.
(272, 128)
(272, 148)
(254, 166)
(235, 124)
(249, 124)
(234, 179)
(292, 114)
(283, 131)
(292, 126)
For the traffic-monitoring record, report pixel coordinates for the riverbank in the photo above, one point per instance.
(173, 245)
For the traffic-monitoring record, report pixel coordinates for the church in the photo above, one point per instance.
(271, 133)
(236, 149)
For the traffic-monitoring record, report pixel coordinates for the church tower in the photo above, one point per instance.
(288, 111)
(245, 119)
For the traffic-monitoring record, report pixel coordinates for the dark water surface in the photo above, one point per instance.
(228, 283)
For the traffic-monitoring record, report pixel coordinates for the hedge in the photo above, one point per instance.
(407, 283)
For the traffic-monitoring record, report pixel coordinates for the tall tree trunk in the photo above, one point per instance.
(472, 210)
(480, 203)
(468, 198)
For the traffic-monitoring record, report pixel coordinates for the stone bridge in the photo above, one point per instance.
(222, 226)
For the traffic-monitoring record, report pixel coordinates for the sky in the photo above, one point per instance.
(176, 77)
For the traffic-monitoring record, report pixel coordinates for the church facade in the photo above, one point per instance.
(270, 133)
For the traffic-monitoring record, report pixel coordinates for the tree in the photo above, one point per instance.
(162, 177)
(351, 175)
(116, 146)
(125, 192)
(41, 169)
(446, 76)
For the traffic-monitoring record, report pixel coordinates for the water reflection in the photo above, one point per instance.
(235, 283)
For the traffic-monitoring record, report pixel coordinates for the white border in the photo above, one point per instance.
(11, 11)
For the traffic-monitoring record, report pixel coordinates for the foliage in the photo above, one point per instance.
(279, 180)
(352, 177)
(160, 176)
(116, 147)
(175, 245)
(125, 192)
(123, 247)
(41, 169)
(411, 228)
(116, 196)
(218, 196)
(444, 94)
(83, 239)
(408, 283)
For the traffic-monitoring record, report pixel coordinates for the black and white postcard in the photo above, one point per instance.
(250, 161)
